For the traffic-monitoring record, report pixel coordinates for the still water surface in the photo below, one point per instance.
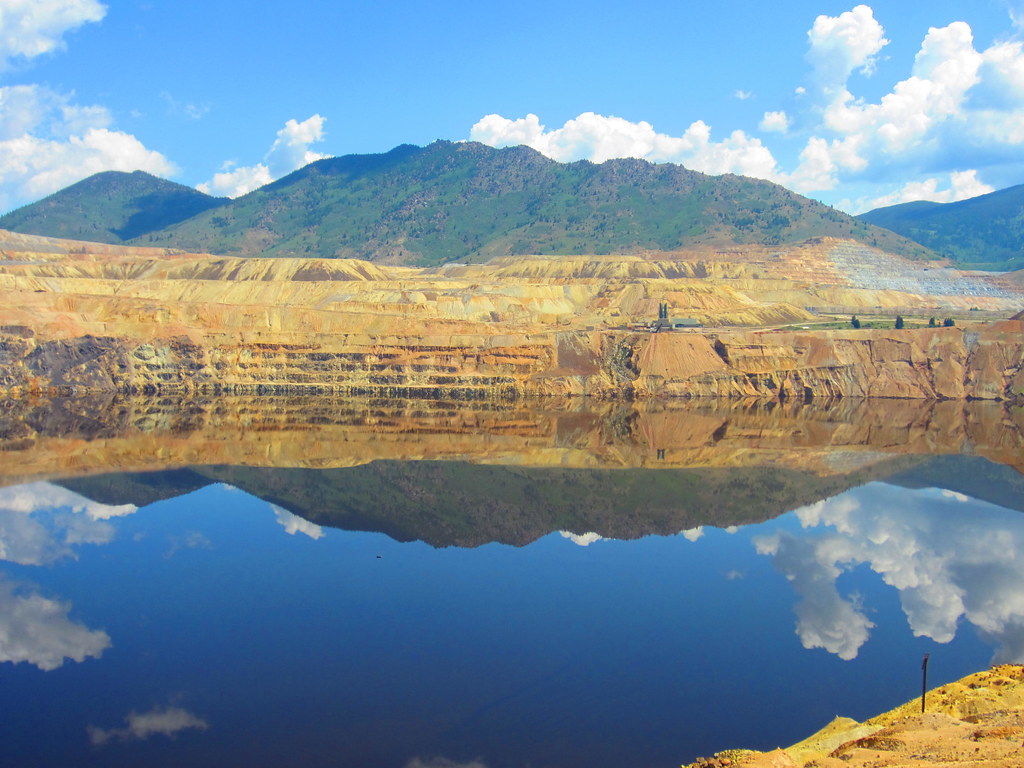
(215, 627)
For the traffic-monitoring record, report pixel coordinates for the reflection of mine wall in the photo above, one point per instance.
(40, 437)
(918, 364)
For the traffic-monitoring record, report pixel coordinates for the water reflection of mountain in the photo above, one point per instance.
(969, 475)
(465, 475)
(461, 504)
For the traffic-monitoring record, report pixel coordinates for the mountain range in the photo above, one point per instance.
(449, 202)
(985, 232)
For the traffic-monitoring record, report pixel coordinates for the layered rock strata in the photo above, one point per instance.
(79, 317)
(920, 364)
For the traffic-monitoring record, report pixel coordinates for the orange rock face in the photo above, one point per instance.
(81, 318)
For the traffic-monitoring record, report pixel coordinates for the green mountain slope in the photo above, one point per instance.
(467, 201)
(985, 232)
(111, 207)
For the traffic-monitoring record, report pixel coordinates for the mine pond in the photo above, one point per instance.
(275, 582)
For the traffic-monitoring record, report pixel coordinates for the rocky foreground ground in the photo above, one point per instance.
(977, 721)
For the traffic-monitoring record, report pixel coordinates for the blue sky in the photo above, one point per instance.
(855, 105)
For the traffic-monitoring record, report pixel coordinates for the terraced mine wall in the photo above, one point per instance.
(942, 363)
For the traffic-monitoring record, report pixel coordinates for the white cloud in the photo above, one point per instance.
(36, 630)
(41, 523)
(235, 182)
(957, 101)
(599, 138)
(961, 186)
(692, 534)
(289, 152)
(47, 142)
(947, 556)
(824, 618)
(581, 539)
(743, 95)
(293, 524)
(31, 28)
(167, 721)
(957, 115)
(775, 122)
(842, 44)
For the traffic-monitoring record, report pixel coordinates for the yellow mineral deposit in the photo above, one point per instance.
(81, 317)
(976, 721)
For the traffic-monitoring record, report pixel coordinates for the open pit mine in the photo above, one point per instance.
(743, 321)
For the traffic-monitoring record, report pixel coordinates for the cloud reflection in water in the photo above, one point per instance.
(166, 721)
(41, 522)
(948, 556)
(37, 630)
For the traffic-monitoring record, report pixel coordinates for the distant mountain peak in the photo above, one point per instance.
(110, 207)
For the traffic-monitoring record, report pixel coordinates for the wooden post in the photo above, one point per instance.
(924, 680)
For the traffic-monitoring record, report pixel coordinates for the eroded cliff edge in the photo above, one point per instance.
(942, 363)
(78, 318)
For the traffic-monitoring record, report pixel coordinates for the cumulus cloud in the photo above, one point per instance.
(948, 558)
(958, 103)
(37, 630)
(599, 138)
(837, 46)
(692, 534)
(946, 131)
(775, 122)
(961, 185)
(824, 618)
(293, 524)
(581, 539)
(289, 152)
(234, 181)
(139, 726)
(48, 142)
(31, 28)
(41, 523)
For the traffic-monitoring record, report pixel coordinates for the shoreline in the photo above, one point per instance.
(977, 721)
